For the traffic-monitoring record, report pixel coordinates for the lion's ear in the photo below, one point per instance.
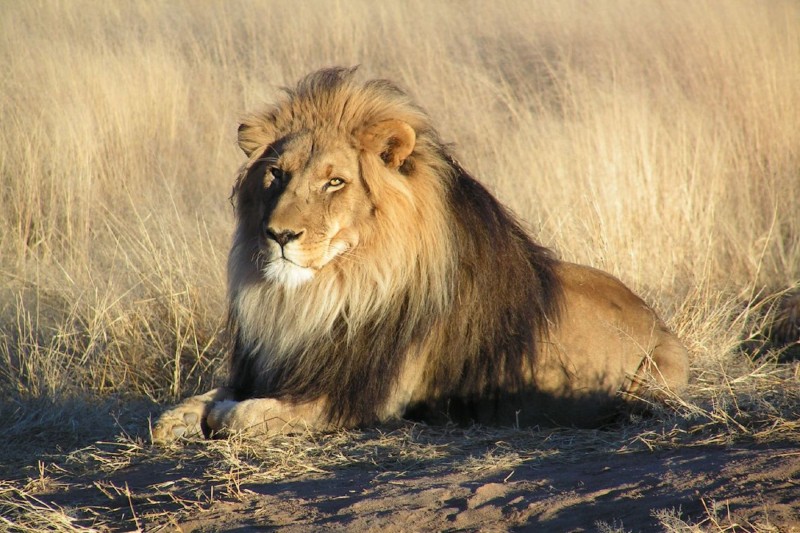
(393, 140)
(255, 134)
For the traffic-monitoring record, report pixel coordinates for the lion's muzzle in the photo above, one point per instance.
(283, 237)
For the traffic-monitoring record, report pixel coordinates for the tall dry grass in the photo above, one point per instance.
(657, 140)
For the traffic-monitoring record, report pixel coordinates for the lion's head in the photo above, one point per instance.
(332, 171)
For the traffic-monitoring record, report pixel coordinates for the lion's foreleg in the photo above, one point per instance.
(187, 418)
(265, 416)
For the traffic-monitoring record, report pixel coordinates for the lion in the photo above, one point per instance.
(372, 278)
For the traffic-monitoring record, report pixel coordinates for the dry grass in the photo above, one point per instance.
(658, 141)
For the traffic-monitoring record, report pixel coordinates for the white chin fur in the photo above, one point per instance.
(287, 274)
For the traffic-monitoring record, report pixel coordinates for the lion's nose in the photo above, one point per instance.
(283, 237)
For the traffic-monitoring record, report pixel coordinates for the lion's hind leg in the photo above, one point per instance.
(187, 418)
(662, 373)
(671, 362)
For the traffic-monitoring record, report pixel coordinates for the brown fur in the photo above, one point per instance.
(372, 277)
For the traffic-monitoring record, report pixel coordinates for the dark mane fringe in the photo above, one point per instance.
(508, 296)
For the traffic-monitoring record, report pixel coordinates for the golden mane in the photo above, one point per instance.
(401, 283)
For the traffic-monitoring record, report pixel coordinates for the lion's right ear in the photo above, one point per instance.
(254, 134)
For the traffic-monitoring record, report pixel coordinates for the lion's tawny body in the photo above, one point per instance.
(371, 277)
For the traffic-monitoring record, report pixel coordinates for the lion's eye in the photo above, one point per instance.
(275, 175)
(334, 183)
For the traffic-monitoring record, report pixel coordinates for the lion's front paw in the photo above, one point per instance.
(187, 420)
(181, 422)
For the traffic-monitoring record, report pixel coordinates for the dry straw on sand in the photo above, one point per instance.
(658, 141)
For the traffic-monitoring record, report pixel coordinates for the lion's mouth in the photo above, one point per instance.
(286, 272)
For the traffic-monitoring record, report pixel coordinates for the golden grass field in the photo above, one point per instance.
(659, 141)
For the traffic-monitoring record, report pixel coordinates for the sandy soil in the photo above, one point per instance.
(753, 487)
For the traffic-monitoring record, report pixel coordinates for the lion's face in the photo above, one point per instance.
(305, 202)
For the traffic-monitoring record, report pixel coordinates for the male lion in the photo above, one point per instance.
(371, 278)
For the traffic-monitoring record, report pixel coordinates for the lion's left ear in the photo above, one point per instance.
(393, 140)
(255, 134)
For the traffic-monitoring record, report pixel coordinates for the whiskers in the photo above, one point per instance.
(350, 255)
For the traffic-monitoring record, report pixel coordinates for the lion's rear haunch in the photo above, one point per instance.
(371, 273)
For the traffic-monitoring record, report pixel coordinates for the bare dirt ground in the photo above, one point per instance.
(755, 487)
(415, 478)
